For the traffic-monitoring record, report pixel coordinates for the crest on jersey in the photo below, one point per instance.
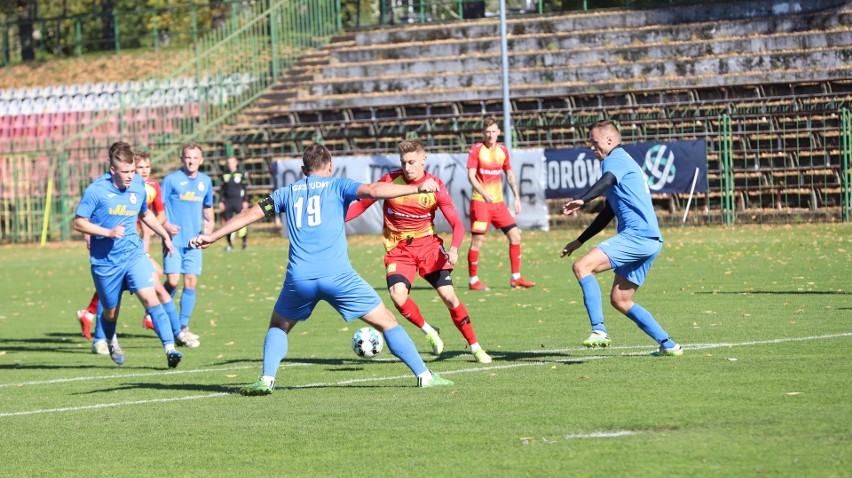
(201, 187)
(427, 200)
(132, 198)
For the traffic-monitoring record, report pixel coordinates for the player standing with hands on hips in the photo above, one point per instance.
(319, 267)
(631, 252)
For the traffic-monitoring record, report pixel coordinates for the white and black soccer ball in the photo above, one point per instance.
(367, 342)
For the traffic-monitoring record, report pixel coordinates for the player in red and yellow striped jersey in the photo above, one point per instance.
(414, 249)
(486, 164)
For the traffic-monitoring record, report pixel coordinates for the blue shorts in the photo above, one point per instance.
(185, 260)
(348, 293)
(631, 256)
(134, 274)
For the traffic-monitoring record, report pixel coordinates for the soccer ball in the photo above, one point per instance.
(367, 342)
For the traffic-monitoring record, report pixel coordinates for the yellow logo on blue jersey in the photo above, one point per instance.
(121, 210)
(190, 196)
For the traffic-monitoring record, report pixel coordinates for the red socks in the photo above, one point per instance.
(411, 312)
(462, 320)
(472, 262)
(515, 258)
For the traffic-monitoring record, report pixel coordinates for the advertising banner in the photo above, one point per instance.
(452, 170)
(668, 167)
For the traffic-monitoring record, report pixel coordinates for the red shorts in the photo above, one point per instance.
(421, 257)
(482, 214)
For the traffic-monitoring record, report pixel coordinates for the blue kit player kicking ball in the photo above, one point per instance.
(108, 213)
(188, 196)
(631, 252)
(319, 267)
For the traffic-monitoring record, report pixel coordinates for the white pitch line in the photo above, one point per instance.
(602, 434)
(378, 379)
(110, 405)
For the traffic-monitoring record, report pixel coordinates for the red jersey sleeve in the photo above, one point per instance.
(473, 156)
(155, 203)
(448, 209)
(506, 164)
(358, 207)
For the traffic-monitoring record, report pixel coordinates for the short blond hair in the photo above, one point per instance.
(410, 146)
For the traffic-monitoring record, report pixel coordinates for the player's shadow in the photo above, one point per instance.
(121, 335)
(28, 366)
(191, 387)
(532, 356)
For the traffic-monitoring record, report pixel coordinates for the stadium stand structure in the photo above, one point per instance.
(781, 70)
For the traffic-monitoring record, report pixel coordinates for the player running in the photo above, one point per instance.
(631, 252)
(108, 212)
(414, 249)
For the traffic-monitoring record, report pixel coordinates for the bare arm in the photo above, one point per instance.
(477, 186)
(382, 190)
(150, 220)
(513, 185)
(84, 225)
(241, 220)
(207, 213)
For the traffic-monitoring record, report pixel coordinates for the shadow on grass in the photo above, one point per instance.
(190, 387)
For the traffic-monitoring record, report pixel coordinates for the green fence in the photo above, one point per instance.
(39, 189)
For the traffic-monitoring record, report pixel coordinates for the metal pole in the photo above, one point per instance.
(504, 57)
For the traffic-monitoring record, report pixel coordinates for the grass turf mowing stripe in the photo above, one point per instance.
(396, 377)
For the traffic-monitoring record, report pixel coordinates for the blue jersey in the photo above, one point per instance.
(185, 198)
(107, 206)
(630, 198)
(315, 208)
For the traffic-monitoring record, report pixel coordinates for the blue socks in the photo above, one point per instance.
(98, 333)
(400, 344)
(174, 318)
(646, 322)
(161, 324)
(593, 301)
(187, 303)
(107, 328)
(274, 350)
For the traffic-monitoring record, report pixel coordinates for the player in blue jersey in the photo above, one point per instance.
(188, 196)
(319, 267)
(108, 213)
(631, 252)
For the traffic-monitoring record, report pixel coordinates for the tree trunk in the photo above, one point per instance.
(108, 37)
(27, 11)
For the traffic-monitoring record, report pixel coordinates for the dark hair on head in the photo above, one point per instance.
(410, 146)
(315, 157)
(487, 122)
(190, 145)
(121, 152)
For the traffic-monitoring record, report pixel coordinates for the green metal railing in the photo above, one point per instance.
(231, 66)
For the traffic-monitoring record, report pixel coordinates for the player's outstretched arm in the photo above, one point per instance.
(382, 190)
(241, 220)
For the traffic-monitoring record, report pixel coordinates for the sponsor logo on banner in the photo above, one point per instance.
(668, 168)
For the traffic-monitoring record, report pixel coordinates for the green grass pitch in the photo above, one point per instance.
(764, 314)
